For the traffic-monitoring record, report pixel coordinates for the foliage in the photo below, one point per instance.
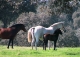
(59, 6)
(10, 10)
(76, 19)
(69, 40)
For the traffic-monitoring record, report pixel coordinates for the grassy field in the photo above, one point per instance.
(28, 52)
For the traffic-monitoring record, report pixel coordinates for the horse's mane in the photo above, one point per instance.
(16, 25)
(56, 23)
(57, 30)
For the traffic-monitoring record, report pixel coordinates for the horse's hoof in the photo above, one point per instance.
(12, 48)
(7, 47)
(55, 49)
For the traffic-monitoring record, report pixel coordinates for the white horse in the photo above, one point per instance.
(34, 33)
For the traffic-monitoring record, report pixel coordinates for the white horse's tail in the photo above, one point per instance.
(29, 35)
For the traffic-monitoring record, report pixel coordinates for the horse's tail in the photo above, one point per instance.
(29, 36)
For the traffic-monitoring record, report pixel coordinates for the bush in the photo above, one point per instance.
(69, 40)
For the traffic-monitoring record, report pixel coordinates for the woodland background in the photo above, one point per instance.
(44, 13)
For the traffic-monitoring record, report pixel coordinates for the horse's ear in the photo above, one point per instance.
(59, 28)
(25, 25)
(62, 21)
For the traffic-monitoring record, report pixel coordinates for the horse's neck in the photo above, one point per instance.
(16, 29)
(56, 34)
(57, 26)
(52, 28)
(49, 28)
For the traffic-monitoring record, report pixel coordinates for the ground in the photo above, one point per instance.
(19, 51)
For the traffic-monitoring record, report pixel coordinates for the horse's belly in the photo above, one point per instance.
(5, 35)
(48, 32)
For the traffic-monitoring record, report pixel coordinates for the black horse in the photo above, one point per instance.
(50, 37)
(10, 33)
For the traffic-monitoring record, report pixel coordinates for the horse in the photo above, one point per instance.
(10, 32)
(34, 33)
(51, 37)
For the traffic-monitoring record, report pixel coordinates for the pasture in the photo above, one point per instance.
(19, 51)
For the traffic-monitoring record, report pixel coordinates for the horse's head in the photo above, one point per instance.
(63, 28)
(23, 27)
(59, 25)
(58, 31)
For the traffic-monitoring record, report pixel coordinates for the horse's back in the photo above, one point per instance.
(38, 32)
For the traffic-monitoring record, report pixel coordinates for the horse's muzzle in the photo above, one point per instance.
(64, 30)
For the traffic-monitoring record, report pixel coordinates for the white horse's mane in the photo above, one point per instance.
(57, 23)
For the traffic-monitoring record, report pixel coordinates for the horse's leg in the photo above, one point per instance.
(36, 42)
(35, 45)
(43, 44)
(32, 43)
(49, 44)
(12, 43)
(54, 45)
(9, 43)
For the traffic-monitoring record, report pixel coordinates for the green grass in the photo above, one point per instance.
(28, 52)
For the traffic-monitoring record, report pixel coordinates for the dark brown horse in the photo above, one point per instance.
(10, 33)
(50, 37)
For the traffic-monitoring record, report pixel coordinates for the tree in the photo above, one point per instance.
(63, 6)
(10, 10)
